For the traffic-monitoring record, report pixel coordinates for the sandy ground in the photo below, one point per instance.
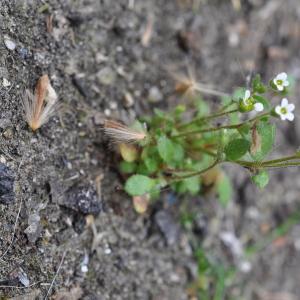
(95, 52)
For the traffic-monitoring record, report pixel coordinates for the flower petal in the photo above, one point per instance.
(282, 76)
(286, 83)
(282, 117)
(284, 102)
(258, 106)
(279, 87)
(290, 107)
(278, 110)
(247, 95)
(290, 116)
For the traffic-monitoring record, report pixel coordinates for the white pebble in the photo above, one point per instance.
(84, 269)
(10, 44)
(107, 250)
(5, 82)
(107, 112)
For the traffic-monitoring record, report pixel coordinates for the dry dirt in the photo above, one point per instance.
(93, 55)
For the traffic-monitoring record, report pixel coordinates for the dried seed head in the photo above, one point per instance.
(42, 105)
(185, 87)
(121, 133)
(256, 141)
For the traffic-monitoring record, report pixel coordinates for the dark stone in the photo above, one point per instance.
(77, 18)
(7, 180)
(82, 199)
(24, 53)
(80, 86)
(167, 226)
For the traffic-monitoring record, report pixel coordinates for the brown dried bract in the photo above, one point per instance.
(121, 133)
(256, 141)
(42, 105)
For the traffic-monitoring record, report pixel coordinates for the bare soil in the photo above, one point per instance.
(93, 52)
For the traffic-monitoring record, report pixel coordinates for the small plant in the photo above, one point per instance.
(184, 149)
(41, 106)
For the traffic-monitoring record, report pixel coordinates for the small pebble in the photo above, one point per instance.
(84, 263)
(23, 52)
(10, 44)
(107, 250)
(167, 226)
(34, 228)
(8, 133)
(99, 118)
(106, 76)
(155, 95)
(23, 278)
(5, 82)
(128, 100)
(83, 199)
(113, 105)
(107, 112)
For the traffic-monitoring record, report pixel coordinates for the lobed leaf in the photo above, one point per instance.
(165, 148)
(138, 185)
(261, 179)
(236, 148)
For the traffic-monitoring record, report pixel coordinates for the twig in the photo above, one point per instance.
(14, 231)
(53, 280)
(19, 287)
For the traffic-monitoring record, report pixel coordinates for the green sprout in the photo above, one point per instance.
(184, 149)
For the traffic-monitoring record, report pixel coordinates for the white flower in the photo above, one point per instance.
(247, 100)
(258, 107)
(285, 110)
(250, 102)
(281, 81)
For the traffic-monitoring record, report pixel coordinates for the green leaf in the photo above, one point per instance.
(237, 148)
(266, 133)
(127, 167)
(138, 185)
(261, 179)
(165, 148)
(262, 100)
(142, 169)
(159, 113)
(138, 126)
(178, 155)
(224, 189)
(239, 93)
(179, 110)
(257, 85)
(244, 129)
(151, 164)
(202, 108)
(192, 185)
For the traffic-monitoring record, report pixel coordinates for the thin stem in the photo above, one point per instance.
(283, 159)
(211, 129)
(203, 119)
(227, 105)
(284, 165)
(267, 163)
(235, 126)
(206, 151)
(200, 88)
(197, 173)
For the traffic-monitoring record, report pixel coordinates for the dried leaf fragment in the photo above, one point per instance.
(147, 34)
(141, 203)
(256, 141)
(128, 152)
